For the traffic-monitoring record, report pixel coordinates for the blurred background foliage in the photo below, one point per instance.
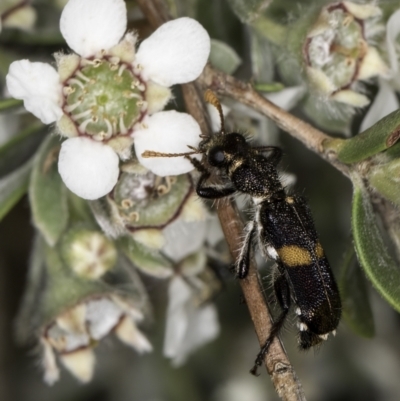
(361, 363)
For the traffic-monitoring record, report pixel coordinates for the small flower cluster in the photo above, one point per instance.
(106, 96)
(338, 54)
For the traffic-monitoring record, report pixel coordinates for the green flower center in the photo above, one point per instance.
(104, 99)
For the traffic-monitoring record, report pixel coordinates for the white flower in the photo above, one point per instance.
(72, 335)
(386, 100)
(104, 97)
(189, 326)
(167, 135)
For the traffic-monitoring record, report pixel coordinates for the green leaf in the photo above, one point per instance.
(7, 104)
(270, 31)
(20, 148)
(381, 136)
(321, 114)
(47, 192)
(269, 87)
(27, 321)
(353, 290)
(379, 266)
(386, 180)
(147, 260)
(13, 187)
(262, 60)
(248, 10)
(223, 57)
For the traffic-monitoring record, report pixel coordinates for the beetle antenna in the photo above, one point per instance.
(210, 97)
(152, 153)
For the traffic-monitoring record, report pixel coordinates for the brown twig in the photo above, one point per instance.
(277, 363)
(243, 92)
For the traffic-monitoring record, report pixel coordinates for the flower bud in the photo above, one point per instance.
(336, 50)
(88, 253)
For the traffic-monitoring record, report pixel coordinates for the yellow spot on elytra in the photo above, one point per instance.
(319, 251)
(293, 255)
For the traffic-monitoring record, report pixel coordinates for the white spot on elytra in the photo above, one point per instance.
(302, 326)
(271, 251)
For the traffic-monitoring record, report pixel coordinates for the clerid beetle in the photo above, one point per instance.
(284, 228)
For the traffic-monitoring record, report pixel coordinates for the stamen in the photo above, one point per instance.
(134, 216)
(81, 115)
(71, 107)
(135, 84)
(109, 127)
(127, 203)
(121, 69)
(162, 189)
(81, 75)
(82, 127)
(114, 125)
(97, 62)
(131, 95)
(74, 81)
(122, 127)
(68, 90)
(101, 136)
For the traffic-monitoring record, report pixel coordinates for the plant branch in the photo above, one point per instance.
(276, 361)
(226, 85)
(278, 366)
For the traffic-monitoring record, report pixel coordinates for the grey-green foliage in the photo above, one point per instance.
(47, 192)
(381, 268)
(248, 10)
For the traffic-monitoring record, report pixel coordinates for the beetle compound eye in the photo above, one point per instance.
(216, 157)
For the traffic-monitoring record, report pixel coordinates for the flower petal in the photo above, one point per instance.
(167, 132)
(51, 372)
(80, 363)
(384, 103)
(175, 53)
(101, 317)
(203, 327)
(128, 333)
(90, 26)
(183, 238)
(88, 168)
(188, 326)
(38, 85)
(287, 98)
(179, 293)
